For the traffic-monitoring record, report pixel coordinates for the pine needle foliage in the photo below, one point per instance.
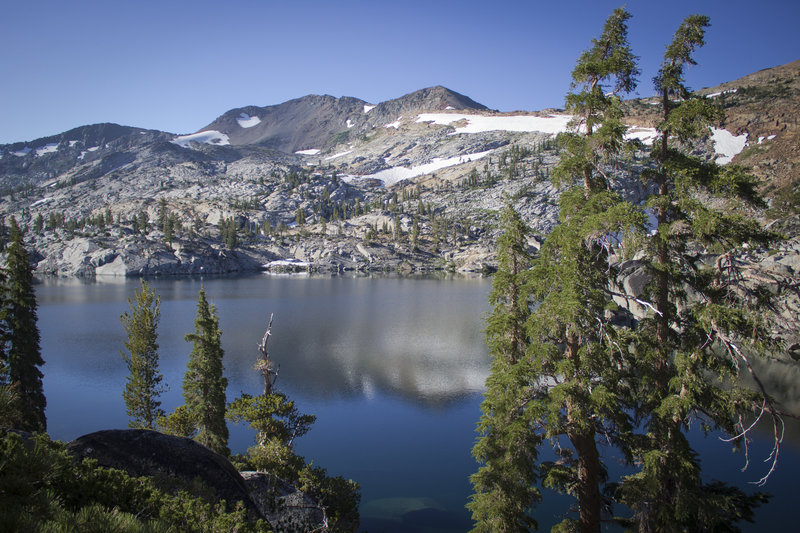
(688, 349)
(278, 422)
(203, 384)
(143, 385)
(22, 356)
(562, 389)
(504, 491)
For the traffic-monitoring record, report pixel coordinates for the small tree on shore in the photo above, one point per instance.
(278, 423)
(143, 385)
(203, 384)
(22, 356)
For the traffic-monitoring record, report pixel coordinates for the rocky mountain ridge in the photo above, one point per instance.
(336, 184)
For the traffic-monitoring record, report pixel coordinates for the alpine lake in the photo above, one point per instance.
(392, 367)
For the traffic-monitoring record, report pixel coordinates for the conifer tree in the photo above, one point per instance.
(203, 384)
(576, 361)
(22, 356)
(686, 348)
(144, 378)
(560, 380)
(504, 491)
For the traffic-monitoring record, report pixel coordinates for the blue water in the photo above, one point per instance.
(393, 368)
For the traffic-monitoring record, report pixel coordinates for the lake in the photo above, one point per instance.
(392, 367)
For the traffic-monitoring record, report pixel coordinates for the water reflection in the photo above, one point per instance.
(393, 368)
(334, 337)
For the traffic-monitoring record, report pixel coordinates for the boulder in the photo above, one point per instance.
(172, 460)
(284, 507)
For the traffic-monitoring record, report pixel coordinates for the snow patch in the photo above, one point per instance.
(767, 138)
(47, 149)
(390, 176)
(284, 263)
(246, 121)
(207, 137)
(310, 151)
(43, 201)
(714, 95)
(449, 107)
(552, 124)
(73, 143)
(340, 154)
(727, 145)
(349, 123)
(646, 135)
(84, 152)
(368, 108)
(395, 124)
(21, 153)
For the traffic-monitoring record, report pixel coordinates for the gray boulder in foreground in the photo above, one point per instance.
(141, 452)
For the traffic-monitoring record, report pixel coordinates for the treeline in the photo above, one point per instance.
(578, 380)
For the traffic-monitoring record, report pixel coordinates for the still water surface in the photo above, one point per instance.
(392, 367)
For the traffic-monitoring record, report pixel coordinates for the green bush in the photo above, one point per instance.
(43, 489)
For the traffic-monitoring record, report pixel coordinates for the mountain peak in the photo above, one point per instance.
(310, 121)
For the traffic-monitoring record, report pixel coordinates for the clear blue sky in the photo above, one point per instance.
(175, 65)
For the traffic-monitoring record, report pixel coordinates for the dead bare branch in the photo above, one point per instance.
(265, 365)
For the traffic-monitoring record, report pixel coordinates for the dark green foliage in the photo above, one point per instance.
(203, 384)
(607, 68)
(575, 363)
(561, 381)
(11, 407)
(278, 423)
(143, 385)
(688, 349)
(229, 232)
(22, 356)
(38, 223)
(141, 223)
(43, 489)
(504, 492)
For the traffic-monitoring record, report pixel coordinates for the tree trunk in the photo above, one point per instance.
(582, 436)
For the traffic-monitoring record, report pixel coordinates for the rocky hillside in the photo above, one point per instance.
(326, 183)
(313, 121)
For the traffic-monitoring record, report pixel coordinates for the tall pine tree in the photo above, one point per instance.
(203, 384)
(504, 491)
(143, 385)
(562, 387)
(688, 352)
(23, 357)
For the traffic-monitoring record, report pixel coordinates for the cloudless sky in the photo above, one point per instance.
(176, 65)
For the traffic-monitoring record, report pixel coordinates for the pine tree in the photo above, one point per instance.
(144, 378)
(572, 351)
(203, 384)
(685, 348)
(558, 379)
(504, 491)
(22, 355)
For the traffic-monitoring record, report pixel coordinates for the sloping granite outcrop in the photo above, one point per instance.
(175, 460)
